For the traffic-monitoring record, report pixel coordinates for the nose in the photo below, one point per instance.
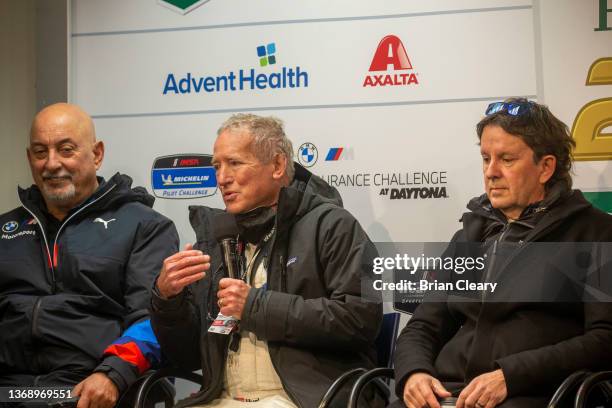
(53, 162)
(224, 176)
(491, 169)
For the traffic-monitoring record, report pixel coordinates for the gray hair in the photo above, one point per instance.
(269, 138)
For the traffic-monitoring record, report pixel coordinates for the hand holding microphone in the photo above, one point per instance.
(233, 291)
(232, 297)
(181, 269)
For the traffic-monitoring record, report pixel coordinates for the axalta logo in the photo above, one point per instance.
(182, 6)
(391, 55)
(184, 176)
(241, 80)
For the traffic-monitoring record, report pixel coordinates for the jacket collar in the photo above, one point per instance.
(121, 184)
(559, 203)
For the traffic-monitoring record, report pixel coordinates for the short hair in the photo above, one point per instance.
(542, 132)
(269, 138)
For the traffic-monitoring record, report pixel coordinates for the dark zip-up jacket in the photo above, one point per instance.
(536, 344)
(66, 298)
(313, 313)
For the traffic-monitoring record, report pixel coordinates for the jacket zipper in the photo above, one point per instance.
(52, 261)
(283, 290)
(42, 230)
(487, 276)
(283, 274)
(59, 231)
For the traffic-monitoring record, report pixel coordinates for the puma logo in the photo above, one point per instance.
(104, 222)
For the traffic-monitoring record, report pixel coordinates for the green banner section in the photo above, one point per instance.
(182, 4)
(601, 200)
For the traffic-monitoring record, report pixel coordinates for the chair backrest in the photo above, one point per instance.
(385, 342)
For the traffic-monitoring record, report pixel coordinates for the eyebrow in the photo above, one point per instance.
(65, 140)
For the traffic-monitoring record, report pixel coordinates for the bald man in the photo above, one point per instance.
(77, 261)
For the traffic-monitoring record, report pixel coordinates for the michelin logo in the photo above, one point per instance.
(170, 180)
(183, 176)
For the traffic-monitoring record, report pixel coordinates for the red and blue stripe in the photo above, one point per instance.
(334, 153)
(137, 346)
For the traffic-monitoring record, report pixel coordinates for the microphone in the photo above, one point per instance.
(226, 230)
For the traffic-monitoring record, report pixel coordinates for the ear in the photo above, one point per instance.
(98, 151)
(547, 166)
(280, 165)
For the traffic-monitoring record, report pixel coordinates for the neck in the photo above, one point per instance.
(58, 212)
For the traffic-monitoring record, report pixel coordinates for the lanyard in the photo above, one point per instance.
(243, 265)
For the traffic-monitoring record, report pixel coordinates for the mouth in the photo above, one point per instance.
(494, 190)
(229, 195)
(56, 180)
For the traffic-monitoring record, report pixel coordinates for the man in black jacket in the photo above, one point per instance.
(303, 316)
(512, 348)
(77, 261)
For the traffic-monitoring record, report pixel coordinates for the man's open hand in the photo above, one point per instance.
(181, 269)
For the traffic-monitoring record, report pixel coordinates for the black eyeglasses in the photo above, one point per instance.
(511, 108)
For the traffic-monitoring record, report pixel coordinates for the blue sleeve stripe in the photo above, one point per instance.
(142, 336)
(141, 331)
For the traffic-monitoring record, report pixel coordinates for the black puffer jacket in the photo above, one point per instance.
(313, 314)
(65, 298)
(536, 344)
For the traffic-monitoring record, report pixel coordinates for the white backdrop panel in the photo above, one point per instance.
(120, 15)
(452, 60)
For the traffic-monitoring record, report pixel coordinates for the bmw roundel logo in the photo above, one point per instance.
(10, 226)
(307, 154)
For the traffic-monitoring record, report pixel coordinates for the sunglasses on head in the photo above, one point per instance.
(511, 108)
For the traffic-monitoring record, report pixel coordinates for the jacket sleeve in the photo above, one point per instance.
(349, 317)
(551, 364)
(591, 349)
(176, 323)
(137, 349)
(421, 340)
(427, 331)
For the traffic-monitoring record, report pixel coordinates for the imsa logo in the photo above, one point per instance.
(183, 176)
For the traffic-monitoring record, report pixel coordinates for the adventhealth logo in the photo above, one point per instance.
(390, 55)
(266, 54)
(243, 79)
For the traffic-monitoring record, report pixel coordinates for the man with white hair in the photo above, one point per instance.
(304, 318)
(77, 261)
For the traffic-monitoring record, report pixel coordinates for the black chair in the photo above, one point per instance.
(582, 389)
(385, 347)
(567, 389)
(595, 390)
(149, 382)
(159, 391)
